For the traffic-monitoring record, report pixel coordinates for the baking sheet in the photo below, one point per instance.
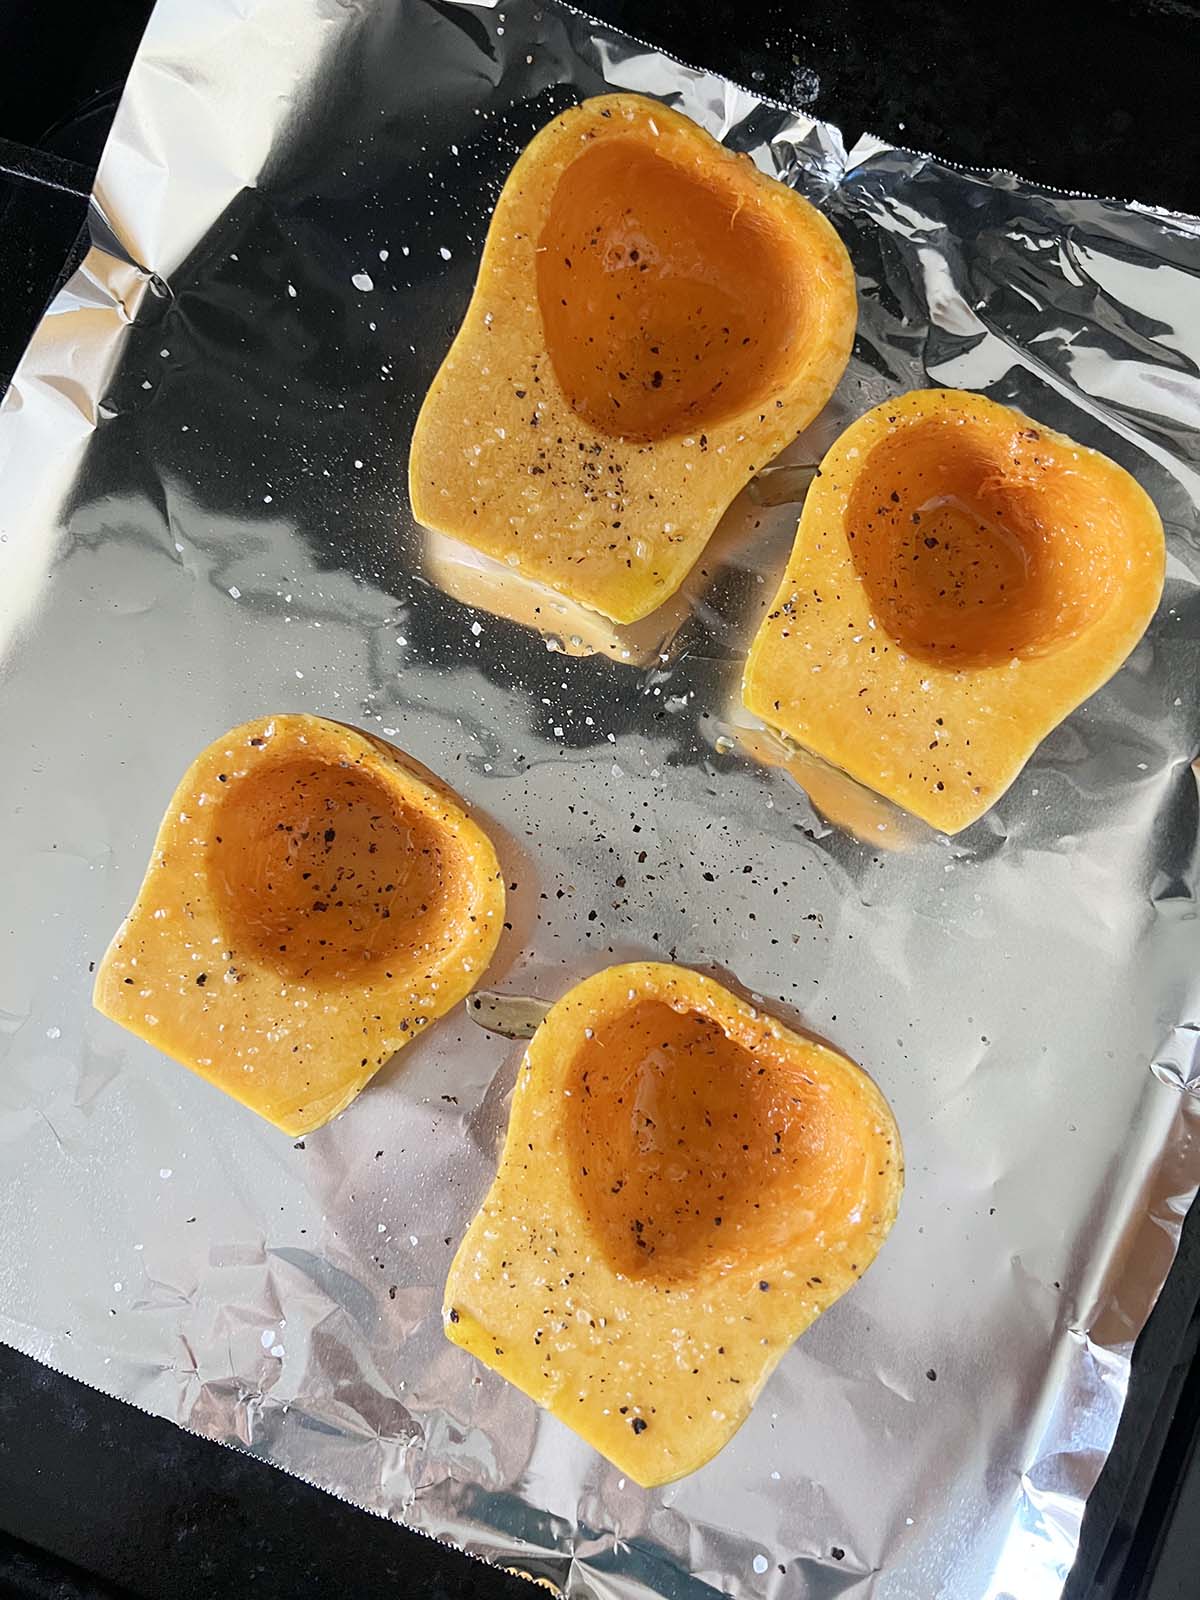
(203, 516)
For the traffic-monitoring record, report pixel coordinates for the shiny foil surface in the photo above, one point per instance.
(203, 516)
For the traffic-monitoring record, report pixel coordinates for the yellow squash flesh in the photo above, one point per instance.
(653, 320)
(685, 1186)
(961, 580)
(314, 900)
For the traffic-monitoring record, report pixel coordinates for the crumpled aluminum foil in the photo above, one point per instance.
(203, 516)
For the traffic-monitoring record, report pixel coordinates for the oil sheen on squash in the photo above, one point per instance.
(653, 320)
(313, 902)
(961, 580)
(685, 1186)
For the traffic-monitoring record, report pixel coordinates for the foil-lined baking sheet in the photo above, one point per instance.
(203, 517)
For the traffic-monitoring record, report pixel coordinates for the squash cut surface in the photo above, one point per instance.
(313, 902)
(961, 580)
(685, 1186)
(653, 320)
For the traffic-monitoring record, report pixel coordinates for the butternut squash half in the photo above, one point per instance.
(685, 1186)
(653, 320)
(314, 900)
(961, 580)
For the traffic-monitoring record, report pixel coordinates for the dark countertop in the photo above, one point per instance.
(97, 1499)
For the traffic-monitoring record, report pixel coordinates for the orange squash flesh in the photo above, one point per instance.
(685, 1186)
(314, 900)
(962, 578)
(653, 320)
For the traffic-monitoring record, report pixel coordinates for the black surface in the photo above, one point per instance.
(97, 1499)
(1141, 1531)
(1085, 94)
(134, 1503)
(1077, 95)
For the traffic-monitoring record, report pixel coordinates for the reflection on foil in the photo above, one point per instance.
(202, 517)
(782, 485)
(513, 1016)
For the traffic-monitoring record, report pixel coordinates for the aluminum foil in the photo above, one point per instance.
(203, 516)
